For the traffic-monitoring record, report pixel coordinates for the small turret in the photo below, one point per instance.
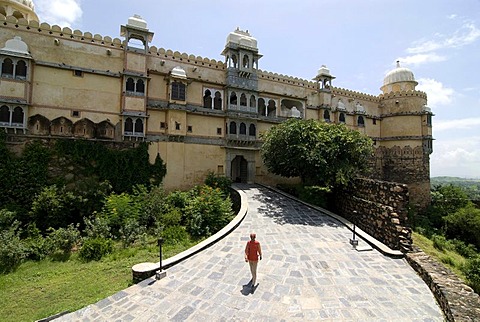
(20, 9)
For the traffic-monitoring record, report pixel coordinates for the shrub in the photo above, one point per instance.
(464, 225)
(472, 273)
(131, 232)
(118, 209)
(463, 249)
(7, 218)
(175, 235)
(315, 195)
(12, 250)
(95, 249)
(439, 242)
(63, 239)
(55, 207)
(207, 212)
(97, 227)
(37, 247)
(221, 182)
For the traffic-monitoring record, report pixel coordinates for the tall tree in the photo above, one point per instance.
(319, 153)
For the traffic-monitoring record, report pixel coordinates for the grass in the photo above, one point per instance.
(449, 258)
(40, 289)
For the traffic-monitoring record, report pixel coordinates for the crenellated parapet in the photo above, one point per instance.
(355, 95)
(185, 58)
(285, 79)
(409, 93)
(59, 32)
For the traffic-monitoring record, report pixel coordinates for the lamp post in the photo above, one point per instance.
(160, 273)
(353, 241)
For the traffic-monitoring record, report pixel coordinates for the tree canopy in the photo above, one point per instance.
(319, 153)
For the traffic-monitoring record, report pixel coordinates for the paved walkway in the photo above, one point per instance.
(309, 272)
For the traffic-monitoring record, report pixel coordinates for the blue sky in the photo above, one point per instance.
(439, 40)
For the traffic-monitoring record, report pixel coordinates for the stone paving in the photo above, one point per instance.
(309, 272)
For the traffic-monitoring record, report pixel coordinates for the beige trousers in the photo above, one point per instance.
(253, 269)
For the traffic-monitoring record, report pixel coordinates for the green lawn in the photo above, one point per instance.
(449, 258)
(40, 289)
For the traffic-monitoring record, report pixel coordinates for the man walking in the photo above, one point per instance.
(253, 251)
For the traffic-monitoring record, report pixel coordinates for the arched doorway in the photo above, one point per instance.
(239, 172)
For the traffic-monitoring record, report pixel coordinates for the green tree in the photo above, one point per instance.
(464, 224)
(319, 153)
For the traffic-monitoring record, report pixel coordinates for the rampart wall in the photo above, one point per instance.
(379, 208)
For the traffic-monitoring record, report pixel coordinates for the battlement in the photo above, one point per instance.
(286, 79)
(184, 57)
(57, 31)
(354, 94)
(410, 93)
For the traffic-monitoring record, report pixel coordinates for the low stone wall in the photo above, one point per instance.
(457, 300)
(380, 209)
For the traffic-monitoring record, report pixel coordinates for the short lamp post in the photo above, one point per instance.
(160, 273)
(353, 241)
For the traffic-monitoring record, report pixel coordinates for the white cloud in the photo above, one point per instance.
(456, 157)
(59, 12)
(421, 59)
(452, 16)
(466, 35)
(463, 124)
(437, 94)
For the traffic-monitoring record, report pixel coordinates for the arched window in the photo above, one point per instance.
(341, 118)
(253, 101)
(7, 67)
(140, 86)
(207, 99)
(262, 109)
(361, 121)
(217, 101)
(233, 98)
(243, 100)
(272, 108)
(233, 128)
(178, 91)
(130, 87)
(17, 116)
(139, 126)
(246, 61)
(2, 11)
(4, 114)
(326, 116)
(128, 125)
(243, 129)
(21, 70)
(252, 131)
(234, 60)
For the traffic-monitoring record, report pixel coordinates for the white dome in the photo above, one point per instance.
(28, 3)
(399, 74)
(179, 72)
(242, 38)
(137, 22)
(323, 71)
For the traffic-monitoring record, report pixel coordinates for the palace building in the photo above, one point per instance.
(200, 114)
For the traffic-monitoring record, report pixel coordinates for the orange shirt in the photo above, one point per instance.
(252, 250)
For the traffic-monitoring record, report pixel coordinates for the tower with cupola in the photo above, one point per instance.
(20, 9)
(405, 144)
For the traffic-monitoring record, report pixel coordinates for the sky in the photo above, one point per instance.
(359, 41)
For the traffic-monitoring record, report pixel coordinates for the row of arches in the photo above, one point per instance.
(135, 86)
(245, 61)
(261, 106)
(62, 126)
(241, 129)
(341, 118)
(13, 68)
(12, 116)
(133, 126)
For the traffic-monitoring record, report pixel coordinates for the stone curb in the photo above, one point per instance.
(457, 300)
(382, 248)
(200, 246)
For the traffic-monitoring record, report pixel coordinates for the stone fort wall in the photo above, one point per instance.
(380, 209)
